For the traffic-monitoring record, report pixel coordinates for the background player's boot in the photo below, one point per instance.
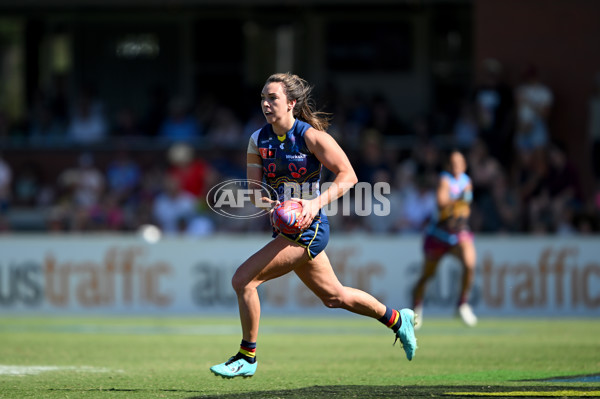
(418, 317)
(466, 314)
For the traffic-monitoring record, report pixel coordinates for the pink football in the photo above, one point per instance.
(286, 215)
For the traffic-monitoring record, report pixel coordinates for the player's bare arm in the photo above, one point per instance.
(331, 155)
(443, 193)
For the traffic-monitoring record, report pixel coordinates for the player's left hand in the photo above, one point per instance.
(310, 209)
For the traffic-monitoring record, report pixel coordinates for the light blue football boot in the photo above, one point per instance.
(406, 333)
(235, 367)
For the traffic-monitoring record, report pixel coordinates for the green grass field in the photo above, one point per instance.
(334, 357)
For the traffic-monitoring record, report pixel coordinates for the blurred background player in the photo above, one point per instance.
(449, 233)
(292, 148)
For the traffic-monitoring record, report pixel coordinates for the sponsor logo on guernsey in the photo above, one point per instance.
(297, 156)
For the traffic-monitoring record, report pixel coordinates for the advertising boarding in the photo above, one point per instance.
(112, 274)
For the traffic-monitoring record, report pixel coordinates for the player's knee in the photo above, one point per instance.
(241, 282)
(238, 282)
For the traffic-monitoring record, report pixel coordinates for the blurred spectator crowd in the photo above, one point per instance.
(524, 182)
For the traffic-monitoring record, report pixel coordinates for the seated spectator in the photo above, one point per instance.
(499, 212)
(404, 185)
(565, 223)
(426, 155)
(179, 124)
(28, 184)
(108, 214)
(370, 158)
(553, 188)
(225, 129)
(484, 170)
(562, 183)
(191, 172)
(80, 190)
(151, 185)
(172, 206)
(386, 223)
(88, 124)
(493, 105)
(533, 169)
(465, 130)
(123, 175)
(85, 182)
(419, 205)
(533, 101)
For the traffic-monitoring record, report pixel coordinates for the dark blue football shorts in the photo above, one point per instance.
(314, 238)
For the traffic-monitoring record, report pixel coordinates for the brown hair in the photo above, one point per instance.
(296, 88)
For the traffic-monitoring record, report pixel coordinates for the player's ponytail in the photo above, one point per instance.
(298, 89)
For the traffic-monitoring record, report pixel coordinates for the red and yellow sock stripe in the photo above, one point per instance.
(250, 352)
(394, 319)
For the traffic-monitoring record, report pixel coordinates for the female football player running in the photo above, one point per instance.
(449, 233)
(291, 148)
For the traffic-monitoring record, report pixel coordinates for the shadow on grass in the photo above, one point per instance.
(395, 391)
